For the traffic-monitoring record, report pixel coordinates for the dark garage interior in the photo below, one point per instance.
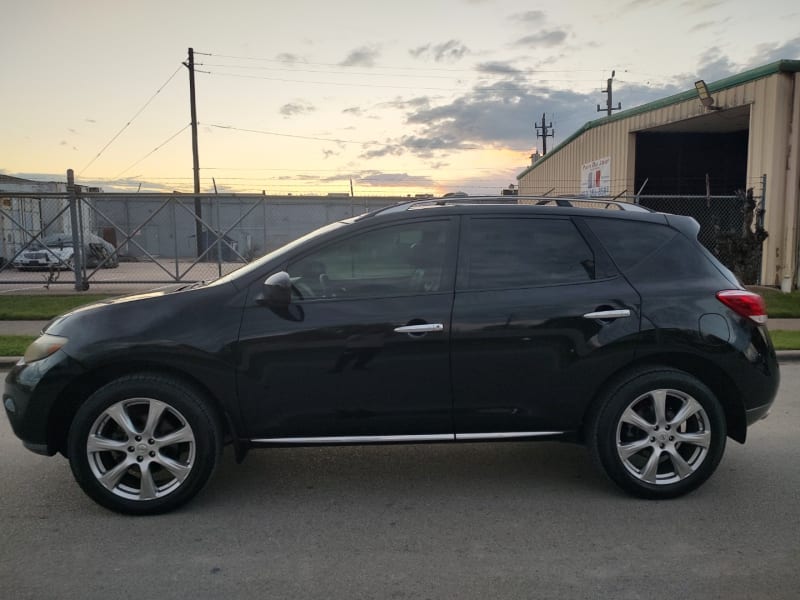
(677, 163)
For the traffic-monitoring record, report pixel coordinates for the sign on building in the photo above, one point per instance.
(596, 177)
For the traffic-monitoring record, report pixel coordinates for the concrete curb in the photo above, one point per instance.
(784, 356)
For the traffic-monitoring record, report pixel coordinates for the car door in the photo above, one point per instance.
(541, 318)
(363, 349)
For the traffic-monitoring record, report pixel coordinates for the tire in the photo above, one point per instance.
(144, 444)
(659, 433)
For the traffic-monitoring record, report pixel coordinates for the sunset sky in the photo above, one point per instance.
(300, 97)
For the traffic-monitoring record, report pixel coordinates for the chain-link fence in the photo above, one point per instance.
(91, 237)
(80, 238)
(724, 220)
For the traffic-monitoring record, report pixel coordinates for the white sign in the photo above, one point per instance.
(596, 178)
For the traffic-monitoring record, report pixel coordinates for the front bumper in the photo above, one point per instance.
(33, 396)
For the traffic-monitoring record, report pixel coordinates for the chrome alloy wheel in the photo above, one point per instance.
(663, 436)
(141, 449)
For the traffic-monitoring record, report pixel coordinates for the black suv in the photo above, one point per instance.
(423, 322)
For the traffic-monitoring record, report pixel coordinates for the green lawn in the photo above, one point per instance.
(14, 345)
(42, 307)
(780, 305)
(785, 340)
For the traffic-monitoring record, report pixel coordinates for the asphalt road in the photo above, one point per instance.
(443, 521)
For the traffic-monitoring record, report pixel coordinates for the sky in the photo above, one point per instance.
(304, 97)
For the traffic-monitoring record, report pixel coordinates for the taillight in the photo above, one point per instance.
(746, 304)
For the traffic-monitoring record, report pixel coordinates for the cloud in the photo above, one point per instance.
(90, 120)
(449, 51)
(531, 17)
(289, 58)
(356, 111)
(501, 115)
(497, 68)
(713, 65)
(362, 57)
(767, 53)
(543, 39)
(298, 107)
(699, 6)
(379, 179)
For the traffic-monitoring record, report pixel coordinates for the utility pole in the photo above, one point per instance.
(198, 205)
(609, 104)
(544, 133)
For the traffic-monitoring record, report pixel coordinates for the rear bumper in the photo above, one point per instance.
(756, 414)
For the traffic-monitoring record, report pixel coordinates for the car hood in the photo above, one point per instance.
(205, 319)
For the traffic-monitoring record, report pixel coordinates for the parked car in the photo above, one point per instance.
(428, 321)
(57, 251)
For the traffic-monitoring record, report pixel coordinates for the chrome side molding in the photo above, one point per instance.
(433, 437)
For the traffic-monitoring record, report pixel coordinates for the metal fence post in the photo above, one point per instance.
(77, 239)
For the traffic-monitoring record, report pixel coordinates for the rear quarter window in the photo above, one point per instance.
(652, 252)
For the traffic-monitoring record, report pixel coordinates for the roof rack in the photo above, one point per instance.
(599, 203)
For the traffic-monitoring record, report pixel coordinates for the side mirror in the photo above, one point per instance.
(276, 290)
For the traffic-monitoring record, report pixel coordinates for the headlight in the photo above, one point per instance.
(43, 347)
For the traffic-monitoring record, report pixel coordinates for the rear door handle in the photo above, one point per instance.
(602, 315)
(425, 328)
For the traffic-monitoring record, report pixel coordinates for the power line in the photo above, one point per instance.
(157, 148)
(339, 65)
(346, 71)
(474, 90)
(289, 135)
(131, 120)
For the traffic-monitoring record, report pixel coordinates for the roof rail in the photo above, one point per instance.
(599, 203)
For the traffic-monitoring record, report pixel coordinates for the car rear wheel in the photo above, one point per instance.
(144, 444)
(660, 433)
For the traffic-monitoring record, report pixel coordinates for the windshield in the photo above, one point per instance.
(257, 264)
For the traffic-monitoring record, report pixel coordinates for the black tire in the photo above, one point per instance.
(144, 420)
(652, 455)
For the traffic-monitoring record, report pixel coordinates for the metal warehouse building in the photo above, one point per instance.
(740, 132)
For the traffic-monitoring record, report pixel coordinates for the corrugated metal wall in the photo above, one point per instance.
(774, 111)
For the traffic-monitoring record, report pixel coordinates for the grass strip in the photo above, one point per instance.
(14, 345)
(785, 340)
(780, 305)
(42, 307)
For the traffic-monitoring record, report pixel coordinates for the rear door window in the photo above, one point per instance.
(512, 252)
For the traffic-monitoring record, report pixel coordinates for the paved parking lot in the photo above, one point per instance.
(440, 521)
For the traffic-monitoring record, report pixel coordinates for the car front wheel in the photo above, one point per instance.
(660, 433)
(144, 444)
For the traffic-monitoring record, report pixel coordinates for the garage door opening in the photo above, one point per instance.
(675, 159)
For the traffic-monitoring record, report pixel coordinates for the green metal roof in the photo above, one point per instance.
(781, 66)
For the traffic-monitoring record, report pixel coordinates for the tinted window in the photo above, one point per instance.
(402, 259)
(652, 252)
(507, 253)
(678, 259)
(630, 242)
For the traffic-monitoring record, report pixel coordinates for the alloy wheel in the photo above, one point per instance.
(663, 436)
(141, 449)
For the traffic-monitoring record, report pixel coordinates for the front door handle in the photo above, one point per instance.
(424, 328)
(602, 315)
